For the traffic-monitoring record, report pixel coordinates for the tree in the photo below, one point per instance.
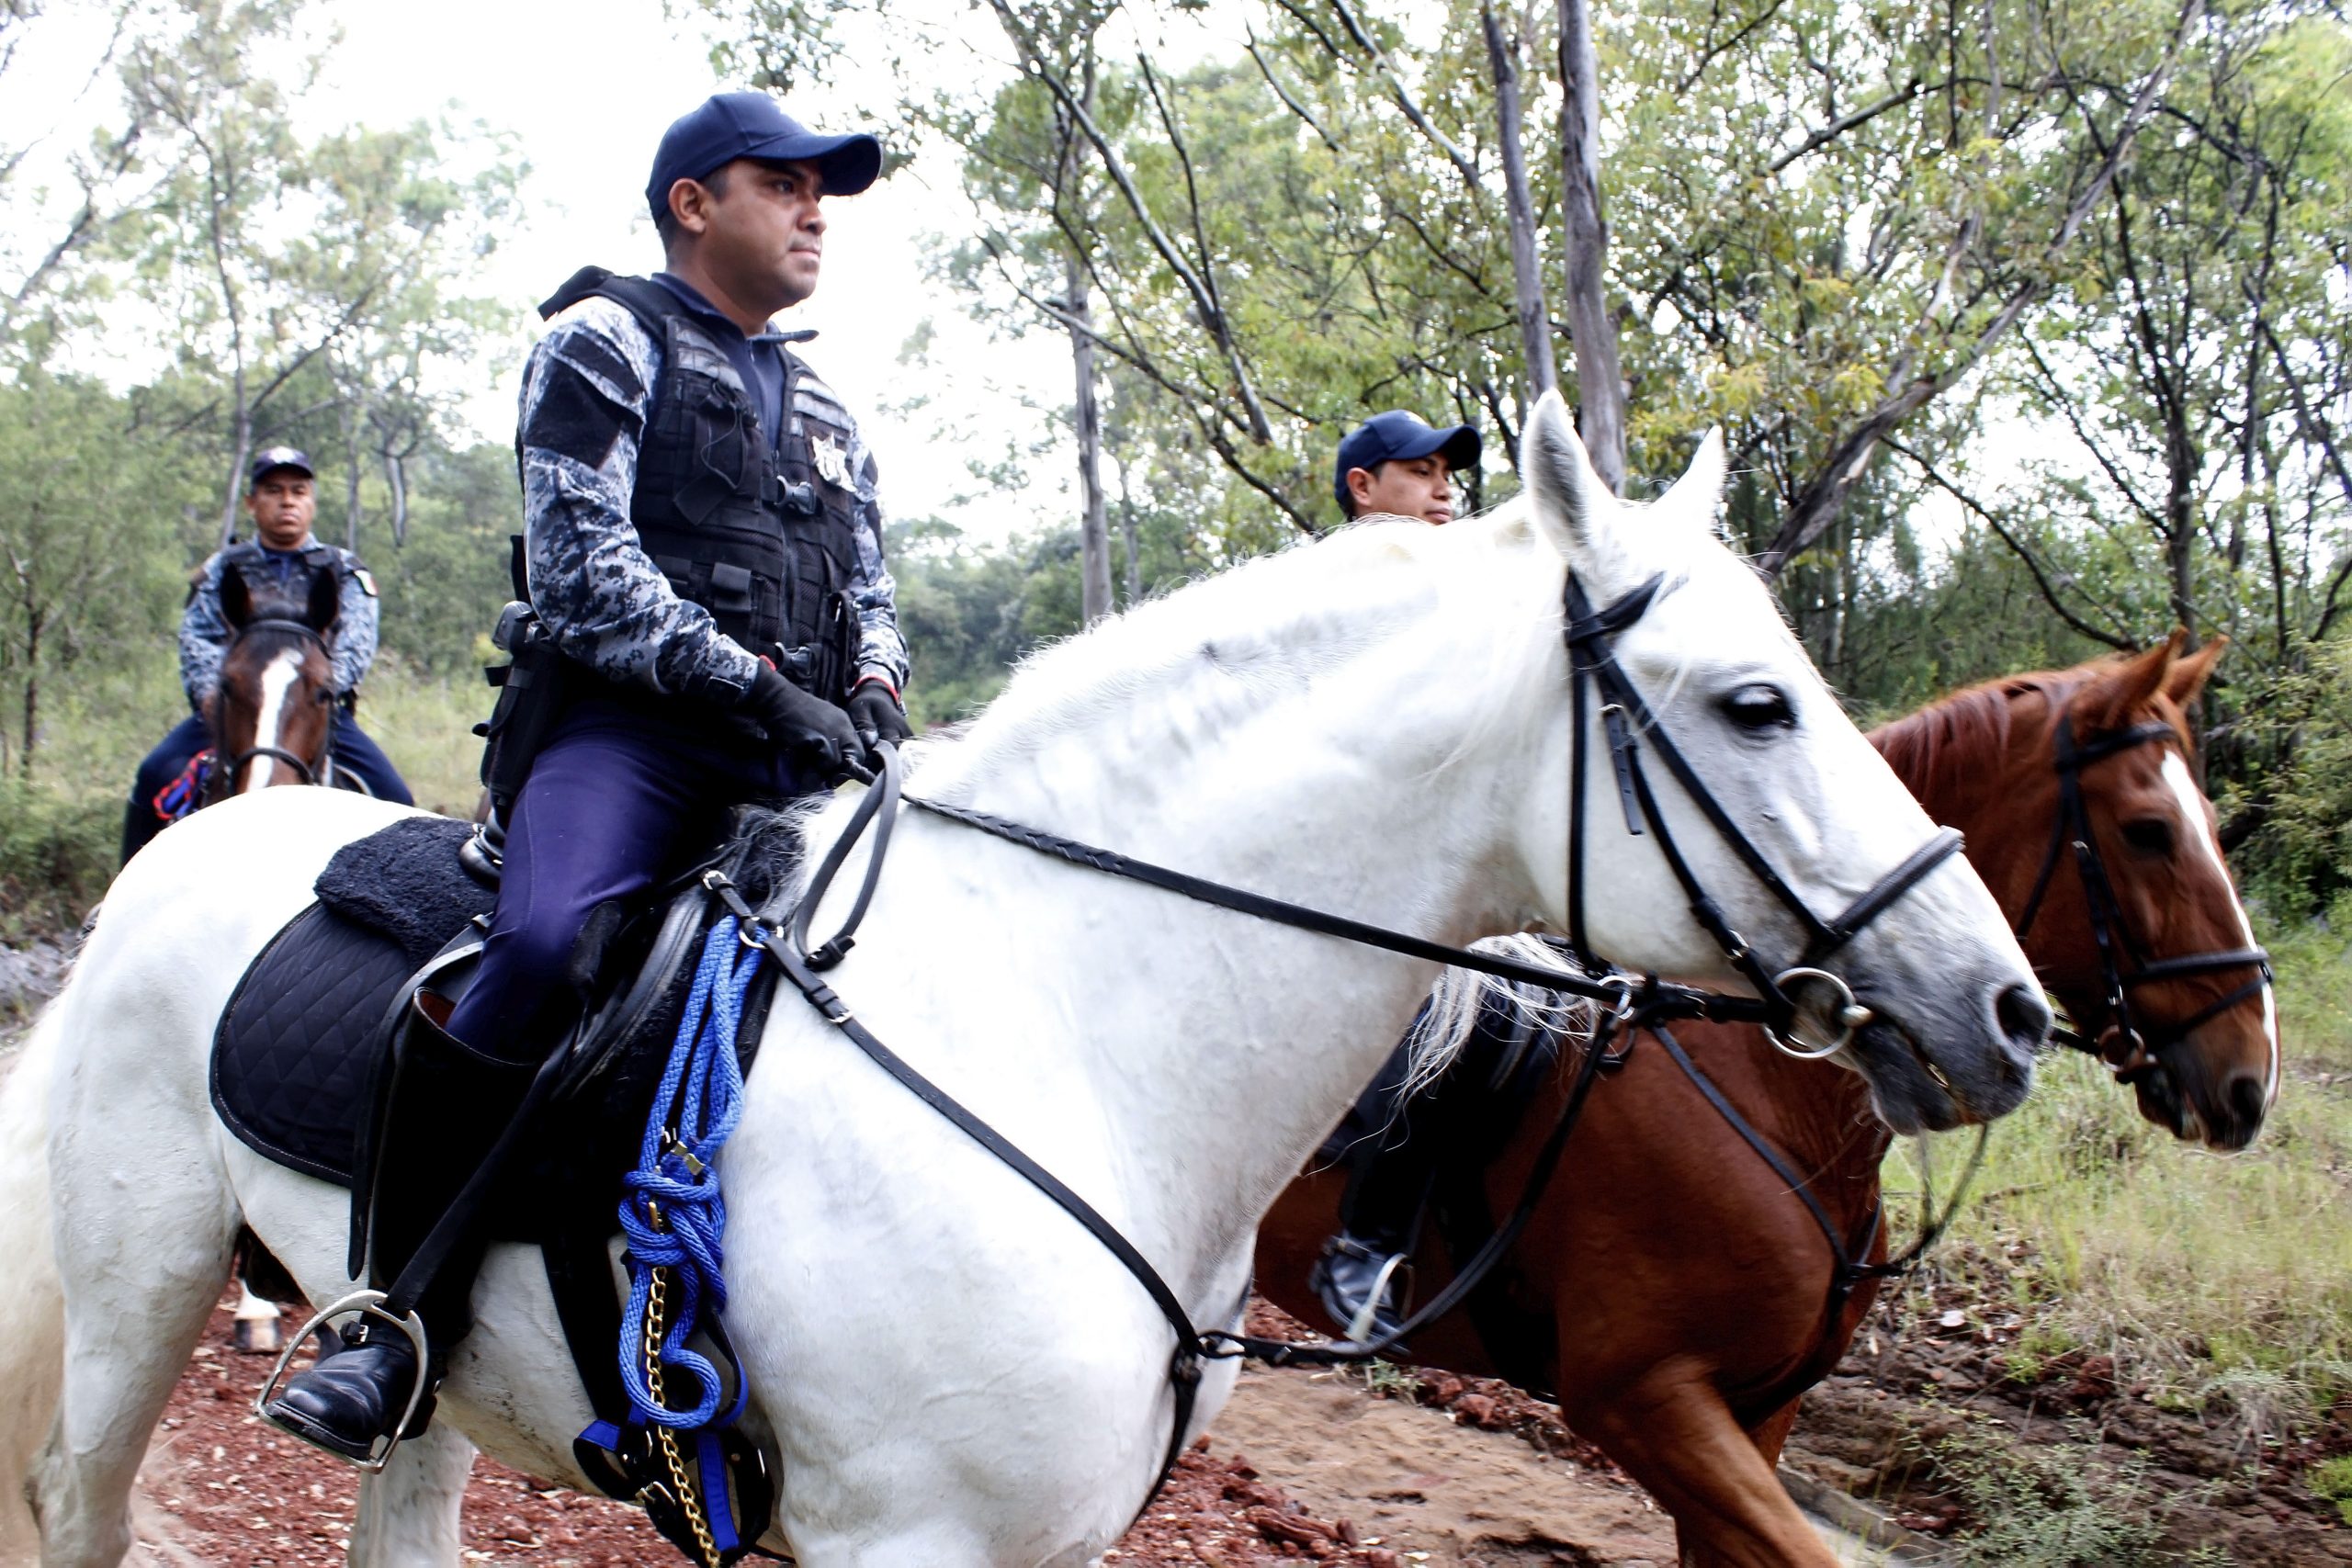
(87, 547)
(272, 254)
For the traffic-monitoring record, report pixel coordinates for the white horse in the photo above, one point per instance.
(946, 1370)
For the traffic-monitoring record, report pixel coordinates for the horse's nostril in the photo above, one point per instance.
(2249, 1096)
(2023, 1015)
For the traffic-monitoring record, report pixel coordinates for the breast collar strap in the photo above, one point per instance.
(2110, 933)
(1626, 720)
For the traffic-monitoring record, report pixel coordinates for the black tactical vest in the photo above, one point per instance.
(760, 532)
(260, 566)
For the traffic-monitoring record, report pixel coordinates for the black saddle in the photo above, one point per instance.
(298, 1057)
(295, 1057)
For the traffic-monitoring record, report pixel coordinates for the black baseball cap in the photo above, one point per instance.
(729, 126)
(269, 459)
(1401, 435)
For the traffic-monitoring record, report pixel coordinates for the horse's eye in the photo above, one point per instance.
(1760, 708)
(2151, 835)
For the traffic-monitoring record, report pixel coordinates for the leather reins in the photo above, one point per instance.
(2110, 933)
(1634, 1002)
(321, 772)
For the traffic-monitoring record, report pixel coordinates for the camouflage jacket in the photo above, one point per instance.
(583, 407)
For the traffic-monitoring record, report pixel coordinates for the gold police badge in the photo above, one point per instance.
(832, 459)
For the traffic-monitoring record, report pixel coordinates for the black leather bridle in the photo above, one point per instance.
(222, 781)
(2136, 1053)
(1633, 1001)
(1626, 720)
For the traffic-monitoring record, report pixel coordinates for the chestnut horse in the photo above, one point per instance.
(272, 715)
(1670, 1289)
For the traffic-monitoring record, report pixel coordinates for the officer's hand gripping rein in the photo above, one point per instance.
(876, 717)
(807, 726)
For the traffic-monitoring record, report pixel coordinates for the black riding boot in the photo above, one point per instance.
(1362, 1274)
(447, 1117)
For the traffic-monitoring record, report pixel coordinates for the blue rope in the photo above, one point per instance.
(676, 1172)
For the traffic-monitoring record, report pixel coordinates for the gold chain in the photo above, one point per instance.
(690, 1499)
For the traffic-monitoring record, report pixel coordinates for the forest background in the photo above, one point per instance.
(2028, 323)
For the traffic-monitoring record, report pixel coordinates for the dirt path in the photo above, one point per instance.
(1301, 1467)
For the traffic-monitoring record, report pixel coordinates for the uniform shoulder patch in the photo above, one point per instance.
(366, 578)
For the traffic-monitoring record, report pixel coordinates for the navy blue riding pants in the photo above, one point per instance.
(615, 801)
(354, 753)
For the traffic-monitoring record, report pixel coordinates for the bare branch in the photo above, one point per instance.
(1844, 123)
(1266, 69)
(2016, 546)
(1212, 317)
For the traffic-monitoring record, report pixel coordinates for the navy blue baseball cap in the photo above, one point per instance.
(269, 459)
(729, 126)
(1401, 435)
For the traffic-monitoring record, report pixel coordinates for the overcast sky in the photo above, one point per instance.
(587, 87)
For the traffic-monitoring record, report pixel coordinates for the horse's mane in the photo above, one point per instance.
(1210, 653)
(1943, 749)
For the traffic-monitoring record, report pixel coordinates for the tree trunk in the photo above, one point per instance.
(1095, 528)
(1527, 271)
(244, 445)
(33, 626)
(1592, 330)
(351, 419)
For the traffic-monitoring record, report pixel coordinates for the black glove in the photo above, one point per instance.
(876, 717)
(805, 726)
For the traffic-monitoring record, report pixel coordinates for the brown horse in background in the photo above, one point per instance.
(272, 714)
(1669, 1287)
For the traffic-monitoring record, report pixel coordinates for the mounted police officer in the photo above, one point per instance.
(704, 549)
(1397, 465)
(281, 500)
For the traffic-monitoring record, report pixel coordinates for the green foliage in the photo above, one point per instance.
(2038, 1508)
(2332, 1479)
(2299, 860)
(969, 614)
(57, 854)
(87, 530)
(444, 585)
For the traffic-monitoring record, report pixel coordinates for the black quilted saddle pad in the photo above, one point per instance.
(293, 1059)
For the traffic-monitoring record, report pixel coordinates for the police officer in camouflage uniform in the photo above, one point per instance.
(705, 546)
(281, 500)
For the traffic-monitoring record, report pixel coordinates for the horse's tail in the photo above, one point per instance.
(32, 1307)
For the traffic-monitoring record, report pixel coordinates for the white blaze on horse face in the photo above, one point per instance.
(277, 678)
(2196, 817)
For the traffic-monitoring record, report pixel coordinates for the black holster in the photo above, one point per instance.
(827, 664)
(534, 688)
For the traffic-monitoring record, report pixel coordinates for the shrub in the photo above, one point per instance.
(57, 854)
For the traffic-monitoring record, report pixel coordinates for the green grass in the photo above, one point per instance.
(2332, 1481)
(2222, 1282)
(61, 829)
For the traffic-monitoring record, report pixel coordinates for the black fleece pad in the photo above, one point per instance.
(406, 884)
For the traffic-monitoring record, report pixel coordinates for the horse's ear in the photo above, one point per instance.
(2132, 685)
(1572, 506)
(236, 599)
(2188, 676)
(1700, 488)
(326, 601)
